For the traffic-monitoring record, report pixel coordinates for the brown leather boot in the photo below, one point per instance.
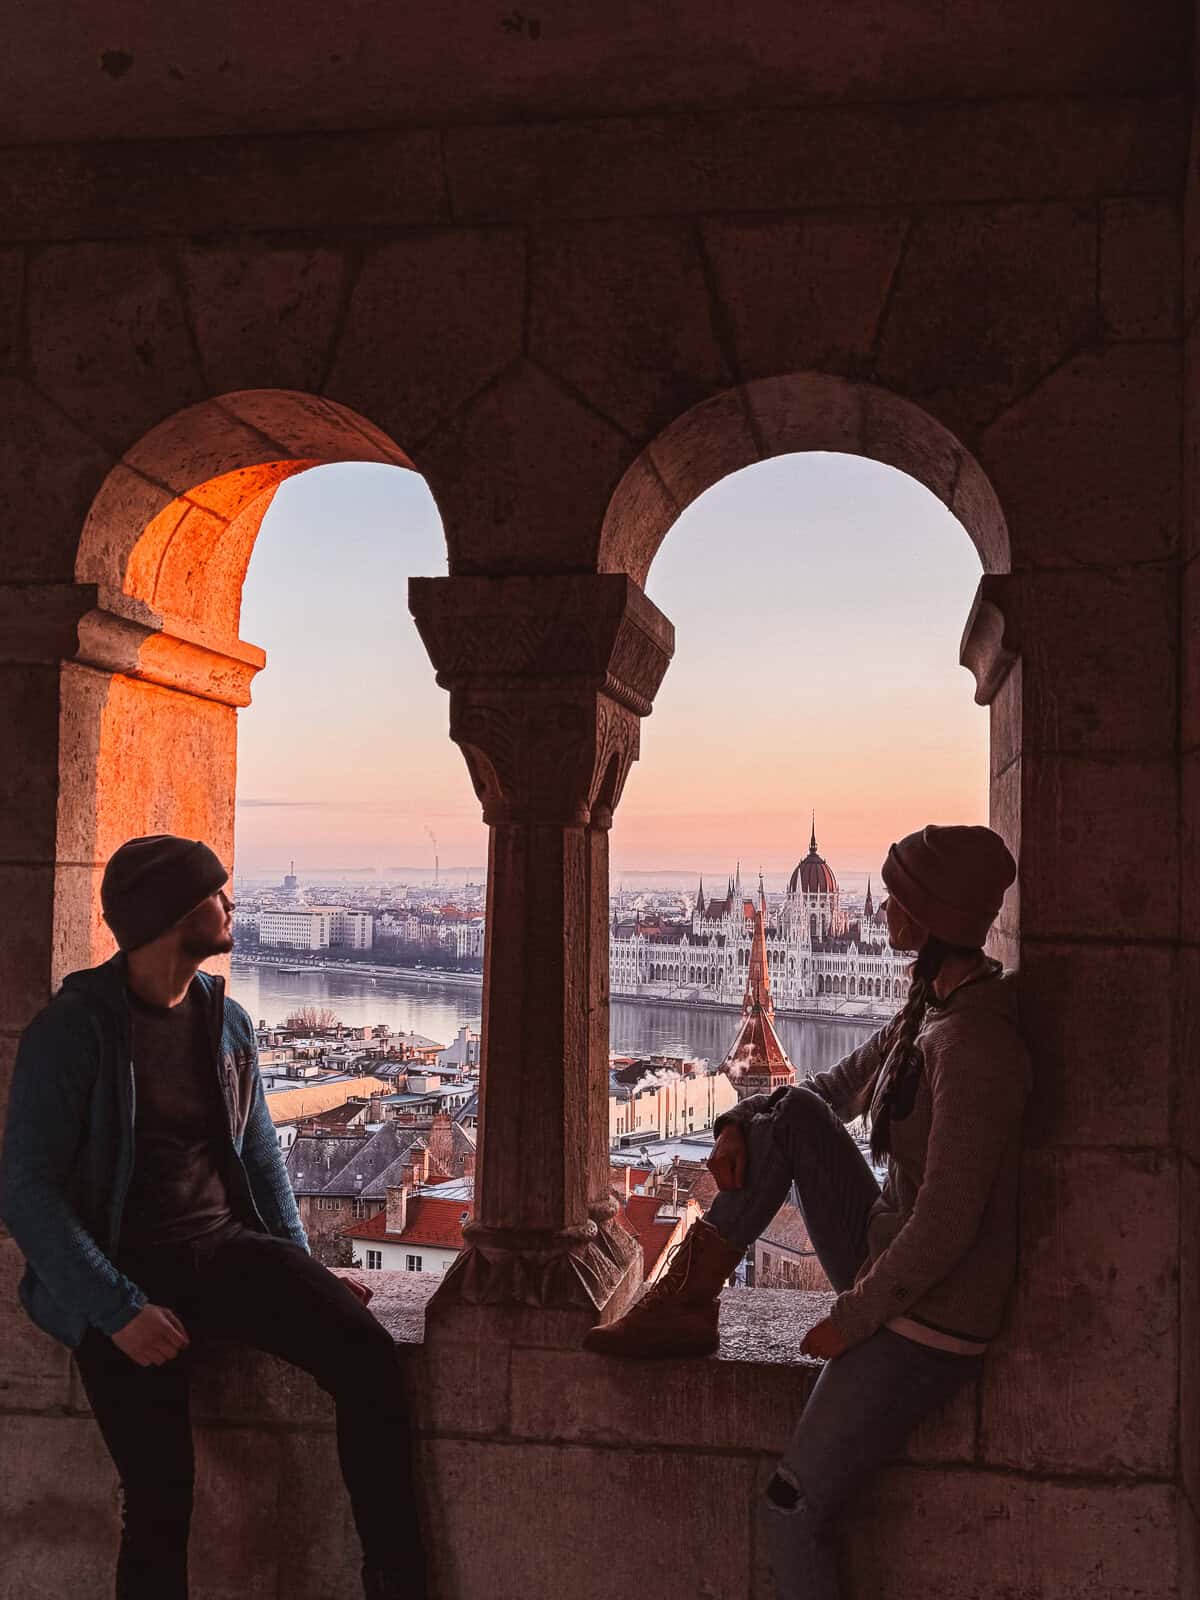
(677, 1316)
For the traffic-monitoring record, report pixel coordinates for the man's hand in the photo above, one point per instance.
(728, 1160)
(824, 1341)
(357, 1287)
(154, 1337)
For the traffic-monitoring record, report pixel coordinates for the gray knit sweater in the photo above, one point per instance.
(942, 1237)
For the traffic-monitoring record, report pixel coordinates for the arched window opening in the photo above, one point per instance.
(352, 801)
(846, 590)
(351, 796)
(150, 703)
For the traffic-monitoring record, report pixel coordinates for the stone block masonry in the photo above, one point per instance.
(575, 275)
(566, 1432)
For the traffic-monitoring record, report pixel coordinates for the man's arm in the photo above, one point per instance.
(265, 1168)
(48, 1108)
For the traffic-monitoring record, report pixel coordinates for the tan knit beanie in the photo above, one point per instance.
(951, 880)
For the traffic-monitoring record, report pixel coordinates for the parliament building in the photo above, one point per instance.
(821, 958)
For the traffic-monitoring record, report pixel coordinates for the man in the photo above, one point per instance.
(142, 1179)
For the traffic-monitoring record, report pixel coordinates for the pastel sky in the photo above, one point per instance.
(818, 602)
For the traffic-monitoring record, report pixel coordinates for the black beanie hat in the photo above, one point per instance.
(151, 884)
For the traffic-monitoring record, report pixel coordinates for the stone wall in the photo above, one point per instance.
(594, 1440)
(1186, 1082)
(573, 301)
(584, 1448)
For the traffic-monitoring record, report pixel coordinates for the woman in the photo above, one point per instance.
(923, 1268)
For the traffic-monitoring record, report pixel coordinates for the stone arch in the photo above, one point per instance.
(148, 738)
(784, 415)
(169, 535)
(816, 411)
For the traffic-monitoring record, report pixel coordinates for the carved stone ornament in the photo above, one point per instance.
(548, 680)
(541, 756)
(991, 640)
(113, 633)
(598, 627)
(585, 1273)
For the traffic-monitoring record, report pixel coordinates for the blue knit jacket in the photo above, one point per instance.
(68, 1148)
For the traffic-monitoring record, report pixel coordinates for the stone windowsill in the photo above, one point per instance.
(759, 1325)
(745, 1399)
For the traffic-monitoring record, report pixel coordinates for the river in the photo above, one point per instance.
(438, 1007)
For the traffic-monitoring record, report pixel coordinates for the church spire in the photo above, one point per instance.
(756, 1060)
(700, 896)
(868, 904)
(812, 843)
(757, 999)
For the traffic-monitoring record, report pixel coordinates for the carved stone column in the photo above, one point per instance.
(549, 679)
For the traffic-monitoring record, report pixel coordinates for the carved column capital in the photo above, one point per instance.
(548, 679)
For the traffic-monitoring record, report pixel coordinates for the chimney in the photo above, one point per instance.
(416, 1169)
(441, 1142)
(397, 1208)
(628, 1175)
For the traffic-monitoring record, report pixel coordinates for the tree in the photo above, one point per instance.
(336, 1251)
(312, 1019)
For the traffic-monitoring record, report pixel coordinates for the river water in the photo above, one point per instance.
(437, 1007)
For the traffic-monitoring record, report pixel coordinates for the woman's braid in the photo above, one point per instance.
(897, 1093)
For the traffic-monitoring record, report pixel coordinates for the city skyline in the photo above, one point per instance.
(816, 667)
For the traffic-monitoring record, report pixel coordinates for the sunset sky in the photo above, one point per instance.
(818, 602)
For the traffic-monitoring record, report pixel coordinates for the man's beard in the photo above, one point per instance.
(197, 949)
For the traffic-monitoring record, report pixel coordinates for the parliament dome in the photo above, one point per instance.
(813, 875)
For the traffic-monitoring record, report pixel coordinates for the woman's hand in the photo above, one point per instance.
(728, 1160)
(359, 1289)
(824, 1341)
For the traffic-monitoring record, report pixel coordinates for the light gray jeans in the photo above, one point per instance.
(865, 1403)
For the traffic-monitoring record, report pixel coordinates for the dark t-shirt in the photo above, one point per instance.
(177, 1194)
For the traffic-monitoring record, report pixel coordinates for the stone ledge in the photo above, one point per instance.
(744, 1400)
(741, 1401)
(757, 1325)
(458, 1388)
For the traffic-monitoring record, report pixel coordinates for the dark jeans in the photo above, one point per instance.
(865, 1403)
(269, 1294)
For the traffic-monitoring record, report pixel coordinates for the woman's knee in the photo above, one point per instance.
(802, 1558)
(803, 1113)
(786, 1497)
